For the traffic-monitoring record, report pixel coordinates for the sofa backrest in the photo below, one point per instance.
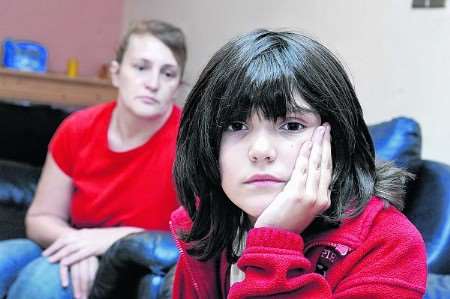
(26, 129)
(400, 141)
(428, 196)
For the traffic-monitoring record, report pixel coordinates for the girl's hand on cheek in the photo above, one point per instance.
(307, 193)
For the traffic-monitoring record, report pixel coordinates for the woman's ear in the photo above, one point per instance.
(114, 69)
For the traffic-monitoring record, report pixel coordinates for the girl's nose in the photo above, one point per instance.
(262, 149)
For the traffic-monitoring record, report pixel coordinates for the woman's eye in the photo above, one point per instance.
(140, 67)
(170, 74)
(236, 126)
(292, 126)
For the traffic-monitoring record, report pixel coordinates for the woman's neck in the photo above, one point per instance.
(127, 131)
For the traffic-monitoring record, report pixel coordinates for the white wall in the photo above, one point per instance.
(397, 57)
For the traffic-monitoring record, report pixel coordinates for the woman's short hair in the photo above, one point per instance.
(264, 71)
(168, 34)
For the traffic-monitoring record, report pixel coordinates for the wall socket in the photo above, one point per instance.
(428, 3)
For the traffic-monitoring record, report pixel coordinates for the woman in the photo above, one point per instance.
(108, 169)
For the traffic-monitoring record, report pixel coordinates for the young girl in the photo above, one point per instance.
(276, 173)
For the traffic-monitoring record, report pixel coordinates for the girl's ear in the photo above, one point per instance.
(114, 69)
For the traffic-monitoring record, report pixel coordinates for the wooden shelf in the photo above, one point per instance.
(54, 88)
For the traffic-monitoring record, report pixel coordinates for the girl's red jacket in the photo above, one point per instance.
(378, 254)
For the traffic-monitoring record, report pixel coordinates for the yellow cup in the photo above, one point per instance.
(72, 67)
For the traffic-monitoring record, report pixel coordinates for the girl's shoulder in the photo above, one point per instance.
(390, 223)
(379, 221)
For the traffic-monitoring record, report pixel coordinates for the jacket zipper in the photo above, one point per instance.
(177, 243)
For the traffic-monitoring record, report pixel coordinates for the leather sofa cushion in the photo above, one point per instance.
(430, 210)
(17, 183)
(12, 223)
(398, 140)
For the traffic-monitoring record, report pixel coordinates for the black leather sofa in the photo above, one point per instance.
(25, 130)
(136, 266)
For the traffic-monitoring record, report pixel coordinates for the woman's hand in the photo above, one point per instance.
(78, 245)
(82, 275)
(307, 193)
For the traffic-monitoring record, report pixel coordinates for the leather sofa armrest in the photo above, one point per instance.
(428, 207)
(130, 259)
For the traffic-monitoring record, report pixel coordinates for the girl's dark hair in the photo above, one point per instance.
(264, 71)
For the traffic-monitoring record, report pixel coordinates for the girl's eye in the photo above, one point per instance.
(292, 126)
(236, 126)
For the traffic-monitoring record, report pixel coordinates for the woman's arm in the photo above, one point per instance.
(47, 221)
(48, 216)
